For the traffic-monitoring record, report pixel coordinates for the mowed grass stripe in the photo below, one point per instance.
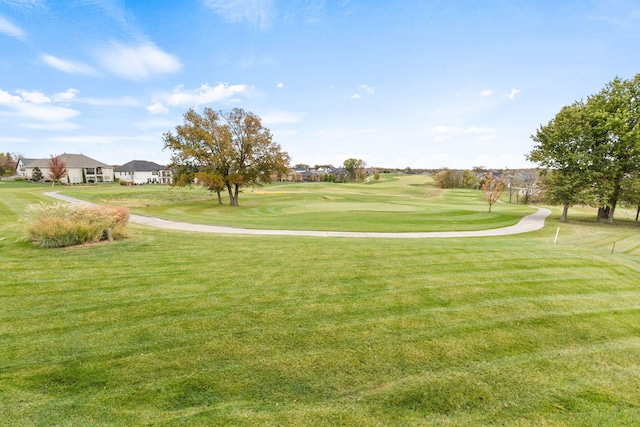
(170, 328)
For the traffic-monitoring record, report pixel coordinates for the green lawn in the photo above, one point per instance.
(393, 204)
(174, 329)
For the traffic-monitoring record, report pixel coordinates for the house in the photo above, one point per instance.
(81, 169)
(143, 172)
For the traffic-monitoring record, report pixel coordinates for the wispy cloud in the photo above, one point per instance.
(203, 95)
(448, 133)
(260, 61)
(25, 4)
(486, 92)
(258, 13)
(362, 90)
(623, 14)
(369, 90)
(67, 66)
(514, 92)
(11, 29)
(140, 62)
(282, 117)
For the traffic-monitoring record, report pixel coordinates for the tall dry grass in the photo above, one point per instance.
(60, 224)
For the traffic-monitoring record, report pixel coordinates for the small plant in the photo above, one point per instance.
(59, 225)
(37, 175)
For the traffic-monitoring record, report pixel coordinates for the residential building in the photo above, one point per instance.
(143, 172)
(81, 169)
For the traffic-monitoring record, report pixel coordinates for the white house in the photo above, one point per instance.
(80, 169)
(143, 172)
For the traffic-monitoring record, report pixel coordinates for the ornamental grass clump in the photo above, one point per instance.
(60, 224)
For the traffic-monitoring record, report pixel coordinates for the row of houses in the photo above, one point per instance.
(82, 169)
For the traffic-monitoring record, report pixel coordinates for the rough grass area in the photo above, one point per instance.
(61, 224)
(175, 329)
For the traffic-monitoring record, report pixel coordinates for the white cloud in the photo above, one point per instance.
(46, 112)
(280, 85)
(65, 96)
(514, 92)
(123, 101)
(282, 117)
(369, 90)
(157, 108)
(362, 90)
(34, 97)
(50, 126)
(486, 92)
(7, 98)
(67, 66)
(205, 94)
(34, 106)
(258, 13)
(137, 62)
(11, 29)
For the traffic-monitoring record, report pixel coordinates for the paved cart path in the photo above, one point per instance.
(532, 222)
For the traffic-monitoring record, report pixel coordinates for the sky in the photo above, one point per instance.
(411, 83)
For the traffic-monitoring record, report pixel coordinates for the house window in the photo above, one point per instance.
(91, 171)
(99, 171)
(154, 172)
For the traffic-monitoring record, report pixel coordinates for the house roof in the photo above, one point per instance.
(71, 160)
(140, 166)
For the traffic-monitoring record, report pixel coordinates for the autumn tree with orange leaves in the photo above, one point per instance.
(57, 169)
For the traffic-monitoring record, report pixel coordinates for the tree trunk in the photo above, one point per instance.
(611, 212)
(490, 207)
(231, 199)
(565, 210)
(637, 212)
(219, 197)
(235, 196)
(603, 213)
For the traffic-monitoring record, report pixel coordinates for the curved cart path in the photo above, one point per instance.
(532, 222)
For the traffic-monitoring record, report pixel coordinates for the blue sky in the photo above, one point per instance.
(413, 83)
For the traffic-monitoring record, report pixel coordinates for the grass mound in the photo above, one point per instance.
(59, 225)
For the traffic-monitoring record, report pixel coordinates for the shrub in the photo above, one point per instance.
(58, 225)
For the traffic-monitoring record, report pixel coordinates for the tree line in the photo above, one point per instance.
(590, 150)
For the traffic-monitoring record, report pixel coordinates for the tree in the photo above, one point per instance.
(230, 144)
(212, 181)
(492, 188)
(36, 175)
(563, 149)
(615, 122)
(355, 169)
(57, 169)
(592, 147)
(8, 163)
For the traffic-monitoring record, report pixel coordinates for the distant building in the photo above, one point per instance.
(143, 172)
(80, 169)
